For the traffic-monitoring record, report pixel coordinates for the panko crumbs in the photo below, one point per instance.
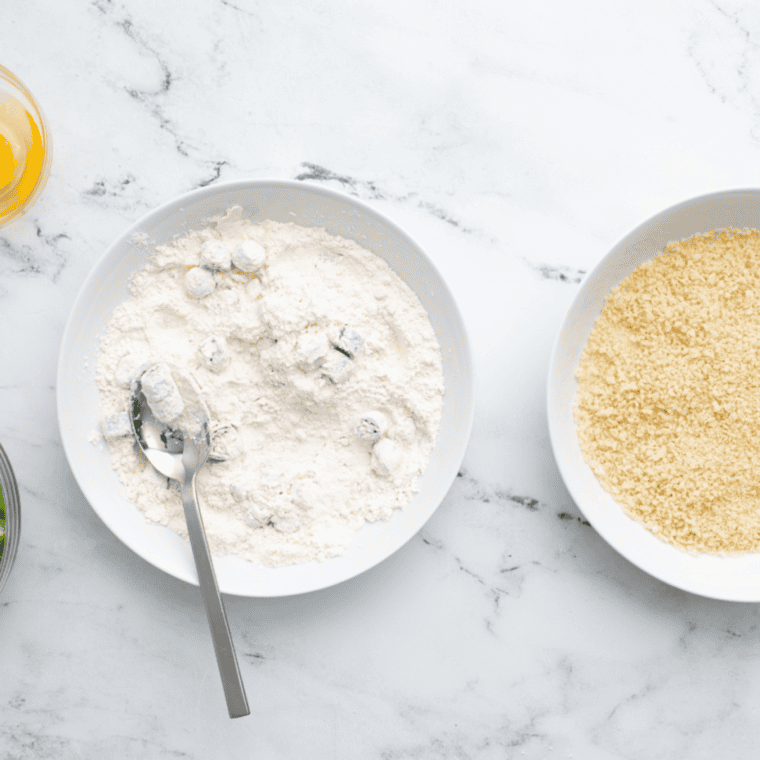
(668, 402)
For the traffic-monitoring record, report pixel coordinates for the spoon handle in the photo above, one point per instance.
(232, 683)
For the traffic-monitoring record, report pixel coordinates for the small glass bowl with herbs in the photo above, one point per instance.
(10, 517)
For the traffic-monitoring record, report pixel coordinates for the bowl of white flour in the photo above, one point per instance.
(332, 358)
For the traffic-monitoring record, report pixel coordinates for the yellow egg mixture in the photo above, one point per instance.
(22, 155)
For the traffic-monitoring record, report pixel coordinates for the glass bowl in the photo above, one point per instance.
(24, 190)
(12, 511)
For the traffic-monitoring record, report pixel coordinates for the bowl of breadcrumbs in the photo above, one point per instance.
(654, 396)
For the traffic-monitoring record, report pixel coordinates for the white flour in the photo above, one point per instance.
(307, 467)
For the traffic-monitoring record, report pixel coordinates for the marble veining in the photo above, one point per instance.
(44, 254)
(369, 190)
(516, 144)
(149, 98)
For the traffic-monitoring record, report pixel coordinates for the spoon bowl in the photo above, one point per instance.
(178, 447)
(166, 444)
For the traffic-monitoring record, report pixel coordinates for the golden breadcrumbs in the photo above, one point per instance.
(668, 403)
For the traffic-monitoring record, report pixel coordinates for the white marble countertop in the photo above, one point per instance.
(517, 142)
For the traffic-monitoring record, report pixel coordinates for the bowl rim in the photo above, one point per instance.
(651, 567)
(12, 516)
(177, 202)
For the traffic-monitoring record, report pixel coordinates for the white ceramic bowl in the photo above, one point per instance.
(734, 578)
(106, 287)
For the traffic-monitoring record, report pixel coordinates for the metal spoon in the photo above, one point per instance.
(178, 451)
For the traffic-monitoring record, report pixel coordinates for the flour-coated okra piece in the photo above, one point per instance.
(337, 367)
(215, 353)
(199, 282)
(348, 341)
(161, 393)
(216, 256)
(286, 523)
(372, 426)
(312, 348)
(257, 516)
(386, 457)
(225, 443)
(249, 256)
